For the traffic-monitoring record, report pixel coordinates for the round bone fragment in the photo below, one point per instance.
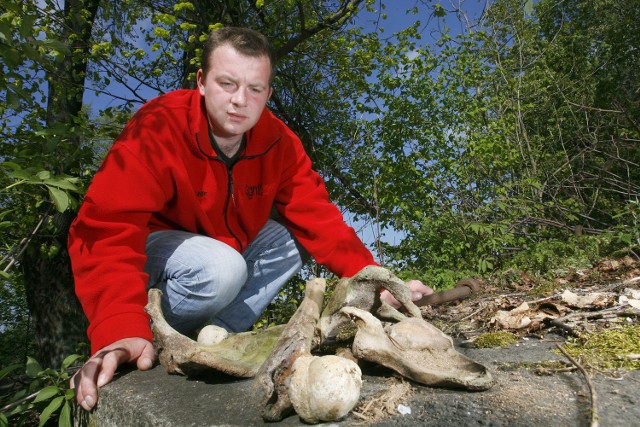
(211, 335)
(324, 388)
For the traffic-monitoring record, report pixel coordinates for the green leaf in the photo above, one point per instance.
(47, 393)
(11, 165)
(33, 367)
(6, 371)
(70, 394)
(43, 175)
(182, 6)
(59, 197)
(50, 409)
(4, 422)
(439, 11)
(64, 183)
(26, 28)
(528, 7)
(68, 361)
(65, 416)
(13, 100)
(22, 174)
(56, 45)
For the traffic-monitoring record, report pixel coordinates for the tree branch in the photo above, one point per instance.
(344, 12)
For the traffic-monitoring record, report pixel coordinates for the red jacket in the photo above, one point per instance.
(162, 173)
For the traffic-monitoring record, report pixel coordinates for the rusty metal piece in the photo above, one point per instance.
(463, 289)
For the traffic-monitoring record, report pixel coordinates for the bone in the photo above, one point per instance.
(288, 377)
(295, 341)
(363, 291)
(240, 355)
(416, 350)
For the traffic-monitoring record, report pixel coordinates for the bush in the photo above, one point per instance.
(37, 395)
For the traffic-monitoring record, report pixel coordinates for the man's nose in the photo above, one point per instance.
(240, 96)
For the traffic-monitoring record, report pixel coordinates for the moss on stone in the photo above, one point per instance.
(495, 339)
(617, 348)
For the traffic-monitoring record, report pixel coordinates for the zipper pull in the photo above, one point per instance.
(231, 190)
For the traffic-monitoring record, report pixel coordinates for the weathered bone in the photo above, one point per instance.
(363, 291)
(240, 355)
(416, 350)
(412, 347)
(295, 341)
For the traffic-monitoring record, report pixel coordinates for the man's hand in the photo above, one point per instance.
(417, 288)
(99, 369)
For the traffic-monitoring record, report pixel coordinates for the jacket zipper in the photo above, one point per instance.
(230, 197)
(230, 189)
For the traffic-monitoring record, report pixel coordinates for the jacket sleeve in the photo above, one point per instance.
(107, 247)
(317, 223)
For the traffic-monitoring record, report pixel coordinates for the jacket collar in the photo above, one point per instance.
(260, 139)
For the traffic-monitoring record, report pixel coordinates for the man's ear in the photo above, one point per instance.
(270, 92)
(200, 81)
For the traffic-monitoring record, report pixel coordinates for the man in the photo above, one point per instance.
(182, 202)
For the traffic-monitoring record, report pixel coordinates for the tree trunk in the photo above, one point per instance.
(58, 321)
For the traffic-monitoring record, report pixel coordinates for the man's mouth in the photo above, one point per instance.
(236, 116)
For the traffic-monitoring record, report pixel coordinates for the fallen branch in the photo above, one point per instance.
(560, 324)
(617, 285)
(600, 313)
(594, 404)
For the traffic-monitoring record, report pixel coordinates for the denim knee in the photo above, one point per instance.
(198, 276)
(223, 278)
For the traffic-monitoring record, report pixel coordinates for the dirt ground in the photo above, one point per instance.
(536, 385)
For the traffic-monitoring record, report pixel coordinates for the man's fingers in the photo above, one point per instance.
(387, 297)
(145, 361)
(418, 289)
(101, 367)
(84, 381)
(110, 363)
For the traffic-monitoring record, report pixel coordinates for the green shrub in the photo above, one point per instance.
(37, 395)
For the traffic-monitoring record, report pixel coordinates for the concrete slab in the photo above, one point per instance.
(521, 398)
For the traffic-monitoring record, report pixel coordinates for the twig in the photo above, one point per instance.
(594, 403)
(22, 246)
(18, 402)
(564, 326)
(539, 300)
(590, 314)
(617, 285)
(631, 281)
(470, 315)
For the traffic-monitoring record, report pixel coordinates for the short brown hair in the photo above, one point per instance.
(246, 41)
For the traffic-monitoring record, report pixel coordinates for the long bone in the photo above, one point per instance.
(295, 341)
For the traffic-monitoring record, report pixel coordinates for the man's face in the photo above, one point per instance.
(235, 89)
